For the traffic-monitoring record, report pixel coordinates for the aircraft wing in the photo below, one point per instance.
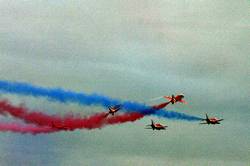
(220, 119)
(183, 101)
(204, 123)
(168, 97)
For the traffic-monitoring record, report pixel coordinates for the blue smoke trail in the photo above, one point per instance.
(66, 96)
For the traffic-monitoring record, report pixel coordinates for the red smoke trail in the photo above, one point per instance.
(25, 128)
(124, 118)
(68, 122)
(160, 106)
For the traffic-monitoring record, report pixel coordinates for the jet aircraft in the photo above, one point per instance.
(156, 126)
(114, 109)
(212, 120)
(174, 99)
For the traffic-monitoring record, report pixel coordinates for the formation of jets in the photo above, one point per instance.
(171, 99)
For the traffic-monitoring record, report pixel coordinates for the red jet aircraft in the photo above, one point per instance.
(156, 126)
(114, 109)
(211, 120)
(174, 99)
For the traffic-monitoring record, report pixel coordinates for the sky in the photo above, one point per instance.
(131, 50)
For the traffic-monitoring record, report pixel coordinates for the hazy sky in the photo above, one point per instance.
(132, 50)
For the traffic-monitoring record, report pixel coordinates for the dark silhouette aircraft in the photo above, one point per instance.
(114, 109)
(156, 126)
(212, 120)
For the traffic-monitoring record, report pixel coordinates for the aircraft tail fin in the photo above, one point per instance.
(206, 116)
